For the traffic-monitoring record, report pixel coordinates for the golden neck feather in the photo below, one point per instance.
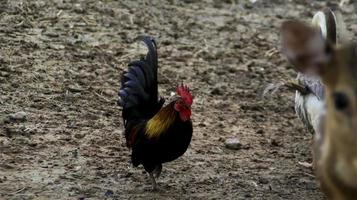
(161, 121)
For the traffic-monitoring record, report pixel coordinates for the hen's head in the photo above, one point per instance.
(184, 102)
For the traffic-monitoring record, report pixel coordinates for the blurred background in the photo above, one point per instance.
(60, 127)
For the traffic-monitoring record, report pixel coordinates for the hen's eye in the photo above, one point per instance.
(341, 101)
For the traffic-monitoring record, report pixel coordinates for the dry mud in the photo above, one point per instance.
(61, 60)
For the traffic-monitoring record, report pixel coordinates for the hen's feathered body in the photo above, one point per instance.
(310, 107)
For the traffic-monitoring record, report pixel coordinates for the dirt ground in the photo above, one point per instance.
(60, 63)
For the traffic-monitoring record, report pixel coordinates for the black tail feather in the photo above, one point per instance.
(139, 92)
(139, 75)
(152, 55)
(146, 69)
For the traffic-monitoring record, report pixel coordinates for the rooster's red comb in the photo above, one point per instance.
(184, 92)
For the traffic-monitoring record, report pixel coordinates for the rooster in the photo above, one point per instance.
(155, 133)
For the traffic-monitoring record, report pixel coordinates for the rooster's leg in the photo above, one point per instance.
(154, 185)
(157, 170)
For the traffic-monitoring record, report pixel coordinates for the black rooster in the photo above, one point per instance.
(156, 134)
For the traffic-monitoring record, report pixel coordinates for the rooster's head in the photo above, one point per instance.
(184, 102)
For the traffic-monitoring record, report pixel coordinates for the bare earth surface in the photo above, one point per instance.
(60, 63)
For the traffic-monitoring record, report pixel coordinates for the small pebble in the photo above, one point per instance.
(263, 180)
(19, 116)
(75, 89)
(79, 135)
(109, 92)
(109, 193)
(51, 34)
(274, 142)
(4, 142)
(233, 143)
(216, 91)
